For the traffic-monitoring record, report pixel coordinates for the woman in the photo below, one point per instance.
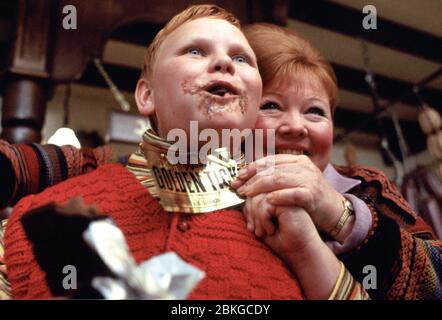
(199, 53)
(368, 224)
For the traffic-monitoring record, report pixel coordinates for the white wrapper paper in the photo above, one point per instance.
(165, 276)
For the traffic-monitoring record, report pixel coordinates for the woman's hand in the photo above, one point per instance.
(291, 180)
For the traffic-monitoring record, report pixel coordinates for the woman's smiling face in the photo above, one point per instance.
(299, 112)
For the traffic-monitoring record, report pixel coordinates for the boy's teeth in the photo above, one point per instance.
(290, 151)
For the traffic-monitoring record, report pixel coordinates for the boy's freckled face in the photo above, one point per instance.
(206, 71)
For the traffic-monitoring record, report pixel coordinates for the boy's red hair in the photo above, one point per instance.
(191, 13)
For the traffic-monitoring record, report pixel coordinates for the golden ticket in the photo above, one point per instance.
(193, 188)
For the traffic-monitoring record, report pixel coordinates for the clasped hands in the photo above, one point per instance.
(288, 202)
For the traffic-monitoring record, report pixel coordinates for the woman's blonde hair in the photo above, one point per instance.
(284, 55)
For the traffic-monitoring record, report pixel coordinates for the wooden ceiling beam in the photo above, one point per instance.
(388, 88)
(345, 20)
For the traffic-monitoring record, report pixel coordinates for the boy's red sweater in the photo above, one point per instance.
(236, 263)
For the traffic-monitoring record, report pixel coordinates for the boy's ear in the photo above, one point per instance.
(144, 97)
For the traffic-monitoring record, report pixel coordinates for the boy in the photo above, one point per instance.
(199, 67)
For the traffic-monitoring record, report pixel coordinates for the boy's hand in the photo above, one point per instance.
(295, 233)
(287, 230)
(258, 213)
(295, 239)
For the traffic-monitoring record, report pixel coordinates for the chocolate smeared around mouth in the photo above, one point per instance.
(217, 97)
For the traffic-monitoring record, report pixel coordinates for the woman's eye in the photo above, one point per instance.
(240, 59)
(270, 106)
(316, 110)
(195, 51)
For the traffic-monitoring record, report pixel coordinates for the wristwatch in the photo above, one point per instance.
(347, 211)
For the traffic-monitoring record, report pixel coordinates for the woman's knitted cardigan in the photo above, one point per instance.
(400, 245)
(30, 168)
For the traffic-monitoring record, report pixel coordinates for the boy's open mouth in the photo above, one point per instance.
(217, 97)
(221, 89)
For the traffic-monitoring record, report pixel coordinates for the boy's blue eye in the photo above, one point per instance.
(316, 110)
(240, 59)
(195, 51)
(270, 106)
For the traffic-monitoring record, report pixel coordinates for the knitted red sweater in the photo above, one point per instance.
(237, 264)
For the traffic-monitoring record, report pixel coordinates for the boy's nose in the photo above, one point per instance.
(223, 64)
(293, 125)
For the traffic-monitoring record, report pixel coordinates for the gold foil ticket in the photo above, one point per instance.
(192, 188)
